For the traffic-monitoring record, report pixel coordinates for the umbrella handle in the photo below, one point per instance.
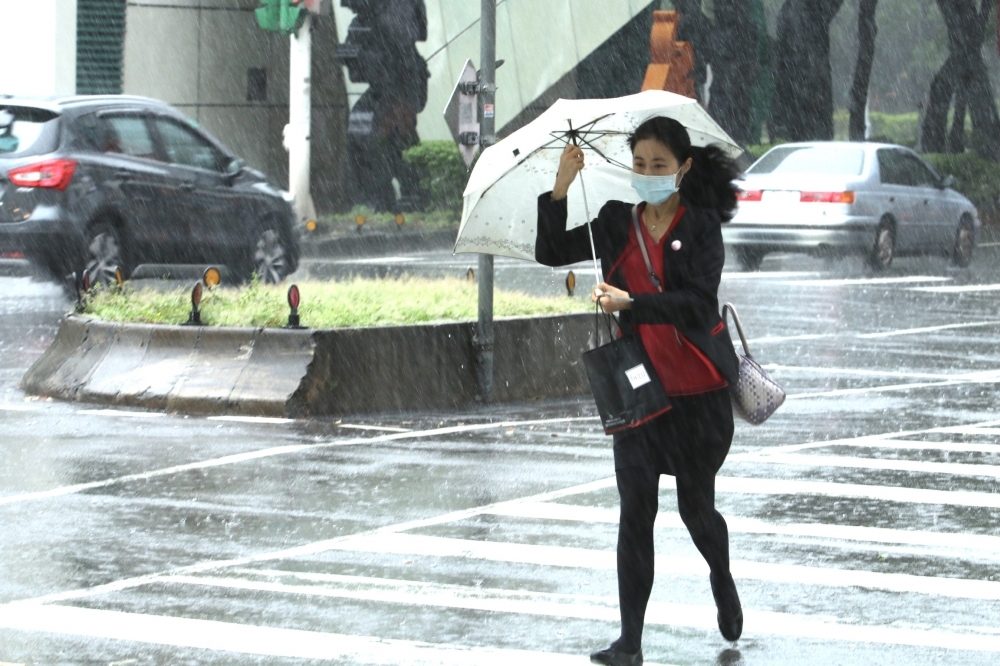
(590, 232)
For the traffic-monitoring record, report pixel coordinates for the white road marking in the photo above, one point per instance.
(786, 338)
(18, 408)
(741, 485)
(121, 412)
(585, 607)
(918, 466)
(905, 444)
(260, 640)
(851, 372)
(992, 378)
(370, 427)
(957, 542)
(767, 275)
(926, 329)
(273, 420)
(850, 282)
(963, 289)
(275, 451)
(667, 566)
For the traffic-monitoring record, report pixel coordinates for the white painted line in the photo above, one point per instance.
(786, 338)
(970, 428)
(369, 427)
(850, 462)
(767, 275)
(926, 329)
(964, 289)
(587, 607)
(316, 547)
(902, 444)
(121, 412)
(956, 542)
(731, 484)
(668, 566)
(18, 408)
(259, 640)
(276, 451)
(850, 282)
(993, 379)
(252, 419)
(851, 372)
(987, 244)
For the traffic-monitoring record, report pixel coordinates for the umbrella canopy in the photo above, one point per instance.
(500, 210)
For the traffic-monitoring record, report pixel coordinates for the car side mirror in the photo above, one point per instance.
(947, 181)
(234, 169)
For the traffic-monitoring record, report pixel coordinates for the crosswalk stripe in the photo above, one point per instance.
(262, 640)
(921, 466)
(957, 543)
(907, 444)
(587, 607)
(764, 486)
(584, 558)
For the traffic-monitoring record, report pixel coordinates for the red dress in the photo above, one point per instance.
(682, 368)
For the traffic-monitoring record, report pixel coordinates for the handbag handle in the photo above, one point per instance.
(597, 322)
(642, 246)
(729, 307)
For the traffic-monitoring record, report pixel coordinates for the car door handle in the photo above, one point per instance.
(122, 174)
(187, 187)
(926, 202)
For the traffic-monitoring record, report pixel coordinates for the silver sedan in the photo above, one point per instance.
(831, 198)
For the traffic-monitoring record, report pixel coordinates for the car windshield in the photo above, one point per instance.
(826, 160)
(27, 131)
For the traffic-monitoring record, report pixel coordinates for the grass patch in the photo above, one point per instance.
(346, 304)
(341, 224)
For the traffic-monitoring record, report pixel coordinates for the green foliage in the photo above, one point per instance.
(975, 177)
(353, 303)
(442, 172)
(344, 223)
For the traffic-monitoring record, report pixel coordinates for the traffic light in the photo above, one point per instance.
(283, 16)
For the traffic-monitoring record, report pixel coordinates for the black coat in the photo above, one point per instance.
(690, 297)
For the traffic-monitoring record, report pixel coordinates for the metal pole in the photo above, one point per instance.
(297, 133)
(487, 95)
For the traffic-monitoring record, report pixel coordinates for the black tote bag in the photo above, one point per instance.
(626, 388)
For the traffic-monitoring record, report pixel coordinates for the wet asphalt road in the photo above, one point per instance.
(864, 516)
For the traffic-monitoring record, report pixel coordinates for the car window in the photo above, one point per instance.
(825, 160)
(918, 173)
(128, 135)
(186, 147)
(27, 131)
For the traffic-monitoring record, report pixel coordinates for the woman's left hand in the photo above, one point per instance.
(612, 299)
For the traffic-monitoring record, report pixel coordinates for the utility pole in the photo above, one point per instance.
(487, 137)
(297, 132)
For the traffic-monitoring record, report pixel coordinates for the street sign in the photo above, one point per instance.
(462, 113)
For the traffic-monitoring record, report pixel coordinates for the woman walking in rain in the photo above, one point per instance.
(674, 309)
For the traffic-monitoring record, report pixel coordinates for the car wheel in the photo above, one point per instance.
(965, 244)
(268, 258)
(884, 248)
(104, 254)
(750, 258)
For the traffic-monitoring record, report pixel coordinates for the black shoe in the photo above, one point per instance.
(730, 615)
(615, 656)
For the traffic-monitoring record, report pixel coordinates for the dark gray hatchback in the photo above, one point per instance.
(91, 183)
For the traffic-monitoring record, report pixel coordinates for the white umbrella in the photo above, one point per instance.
(500, 209)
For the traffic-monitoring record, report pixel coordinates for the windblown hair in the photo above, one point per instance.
(709, 183)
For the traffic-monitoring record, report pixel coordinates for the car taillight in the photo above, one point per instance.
(54, 174)
(827, 197)
(750, 195)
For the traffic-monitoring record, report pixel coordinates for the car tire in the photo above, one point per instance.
(884, 248)
(104, 252)
(268, 257)
(965, 243)
(750, 258)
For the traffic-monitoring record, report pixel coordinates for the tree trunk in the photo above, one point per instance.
(734, 66)
(964, 70)
(867, 31)
(802, 106)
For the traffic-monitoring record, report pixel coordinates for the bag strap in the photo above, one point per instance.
(642, 246)
(731, 309)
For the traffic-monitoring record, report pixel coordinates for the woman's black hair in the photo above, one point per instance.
(709, 183)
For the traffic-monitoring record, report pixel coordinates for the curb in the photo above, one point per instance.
(300, 373)
(376, 244)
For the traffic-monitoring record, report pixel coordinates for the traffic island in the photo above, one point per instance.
(265, 370)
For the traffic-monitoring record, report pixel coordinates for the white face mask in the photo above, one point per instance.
(656, 189)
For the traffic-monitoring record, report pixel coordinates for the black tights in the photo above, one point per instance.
(638, 488)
